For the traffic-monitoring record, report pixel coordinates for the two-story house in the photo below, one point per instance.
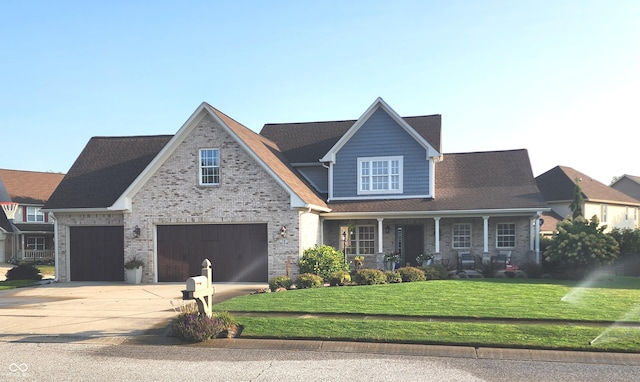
(628, 184)
(252, 203)
(613, 208)
(28, 233)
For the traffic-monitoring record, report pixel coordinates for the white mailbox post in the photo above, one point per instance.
(200, 288)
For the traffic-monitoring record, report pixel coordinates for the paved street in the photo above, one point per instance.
(74, 361)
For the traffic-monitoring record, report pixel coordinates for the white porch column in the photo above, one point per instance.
(380, 235)
(538, 237)
(437, 233)
(486, 234)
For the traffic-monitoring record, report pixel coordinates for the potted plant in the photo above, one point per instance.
(392, 259)
(424, 259)
(133, 270)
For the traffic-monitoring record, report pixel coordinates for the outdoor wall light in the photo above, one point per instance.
(283, 231)
(136, 231)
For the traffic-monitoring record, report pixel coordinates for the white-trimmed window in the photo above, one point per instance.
(34, 214)
(380, 175)
(604, 211)
(506, 235)
(361, 240)
(461, 235)
(35, 243)
(209, 167)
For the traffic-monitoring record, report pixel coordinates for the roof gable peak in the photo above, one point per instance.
(379, 103)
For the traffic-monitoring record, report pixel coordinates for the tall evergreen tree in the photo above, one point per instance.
(578, 201)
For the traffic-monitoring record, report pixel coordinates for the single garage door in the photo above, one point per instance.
(238, 252)
(97, 253)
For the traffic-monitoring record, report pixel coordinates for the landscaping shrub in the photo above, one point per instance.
(411, 274)
(488, 270)
(280, 282)
(194, 327)
(370, 277)
(340, 278)
(309, 280)
(322, 260)
(23, 272)
(393, 277)
(435, 272)
(532, 270)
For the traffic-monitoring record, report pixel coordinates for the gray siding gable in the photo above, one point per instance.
(381, 136)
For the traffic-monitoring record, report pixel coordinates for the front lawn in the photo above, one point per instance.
(15, 284)
(532, 313)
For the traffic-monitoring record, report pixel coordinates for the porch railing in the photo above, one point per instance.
(41, 254)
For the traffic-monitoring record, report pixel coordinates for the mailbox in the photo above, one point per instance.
(197, 283)
(199, 288)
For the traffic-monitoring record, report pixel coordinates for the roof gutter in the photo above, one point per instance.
(442, 213)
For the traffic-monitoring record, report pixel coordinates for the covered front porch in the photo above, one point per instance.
(485, 237)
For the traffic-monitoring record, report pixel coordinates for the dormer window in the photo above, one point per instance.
(380, 175)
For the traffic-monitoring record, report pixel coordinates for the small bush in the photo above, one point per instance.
(488, 270)
(370, 277)
(225, 319)
(322, 261)
(194, 327)
(309, 280)
(23, 272)
(532, 270)
(411, 274)
(280, 282)
(435, 272)
(340, 278)
(393, 277)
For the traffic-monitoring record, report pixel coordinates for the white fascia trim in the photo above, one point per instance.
(317, 208)
(80, 210)
(378, 103)
(430, 214)
(613, 202)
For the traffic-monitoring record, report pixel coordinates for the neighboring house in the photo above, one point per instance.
(612, 207)
(628, 184)
(29, 235)
(252, 203)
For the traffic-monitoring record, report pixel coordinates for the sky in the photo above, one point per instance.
(559, 78)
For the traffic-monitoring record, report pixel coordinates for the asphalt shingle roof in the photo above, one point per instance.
(29, 187)
(104, 169)
(558, 184)
(468, 181)
(308, 142)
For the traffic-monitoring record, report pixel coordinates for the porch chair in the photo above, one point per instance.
(503, 258)
(466, 260)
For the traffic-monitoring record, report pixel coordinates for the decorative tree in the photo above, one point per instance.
(582, 245)
(578, 201)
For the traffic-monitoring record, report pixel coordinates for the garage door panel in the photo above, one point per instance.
(238, 252)
(96, 253)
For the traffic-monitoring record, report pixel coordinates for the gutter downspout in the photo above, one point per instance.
(55, 245)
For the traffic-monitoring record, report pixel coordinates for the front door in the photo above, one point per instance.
(413, 244)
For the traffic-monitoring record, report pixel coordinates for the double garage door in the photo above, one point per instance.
(238, 252)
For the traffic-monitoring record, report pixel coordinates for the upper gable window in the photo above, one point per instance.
(209, 167)
(380, 175)
(34, 214)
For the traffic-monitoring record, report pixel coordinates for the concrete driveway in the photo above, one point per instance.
(96, 312)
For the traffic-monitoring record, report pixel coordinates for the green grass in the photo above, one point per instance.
(551, 323)
(47, 270)
(15, 284)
